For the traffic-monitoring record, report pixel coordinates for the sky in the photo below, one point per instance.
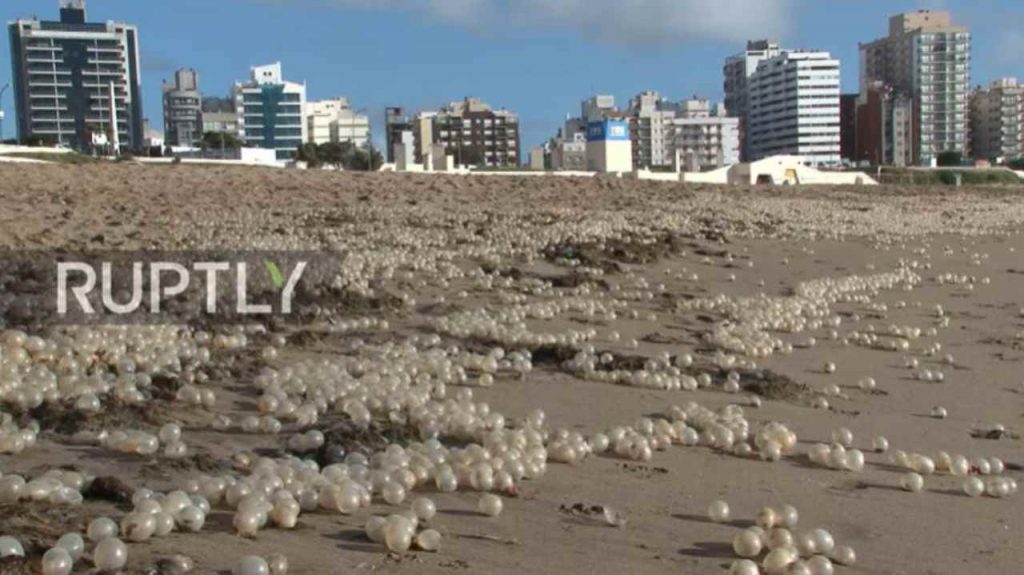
(539, 58)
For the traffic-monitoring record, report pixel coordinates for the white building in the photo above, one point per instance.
(271, 111)
(653, 141)
(336, 121)
(997, 120)
(738, 70)
(704, 137)
(609, 148)
(794, 107)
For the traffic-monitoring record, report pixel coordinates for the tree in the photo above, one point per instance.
(950, 159)
(220, 140)
(309, 153)
(1016, 164)
(333, 154)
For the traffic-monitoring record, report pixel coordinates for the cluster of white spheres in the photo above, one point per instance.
(55, 486)
(837, 456)
(772, 547)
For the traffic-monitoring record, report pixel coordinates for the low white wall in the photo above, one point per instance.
(12, 149)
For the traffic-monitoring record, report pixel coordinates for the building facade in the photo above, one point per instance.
(928, 59)
(794, 107)
(886, 127)
(74, 80)
(997, 120)
(271, 111)
(652, 131)
(183, 110)
(396, 124)
(704, 137)
(609, 147)
(848, 126)
(336, 121)
(472, 132)
(738, 70)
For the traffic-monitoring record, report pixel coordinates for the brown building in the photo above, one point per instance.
(886, 129)
(471, 132)
(848, 126)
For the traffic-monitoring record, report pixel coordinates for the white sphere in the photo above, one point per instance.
(57, 561)
(747, 543)
(490, 505)
(778, 560)
(974, 486)
(429, 540)
(73, 544)
(718, 511)
(424, 508)
(110, 554)
(100, 529)
(844, 555)
(912, 482)
(744, 567)
(251, 565)
(278, 564)
(11, 547)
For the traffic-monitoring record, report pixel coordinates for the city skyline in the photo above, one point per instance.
(408, 54)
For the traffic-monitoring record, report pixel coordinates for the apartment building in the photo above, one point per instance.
(183, 110)
(997, 120)
(927, 58)
(886, 127)
(75, 80)
(794, 107)
(737, 71)
(336, 121)
(472, 132)
(704, 137)
(271, 111)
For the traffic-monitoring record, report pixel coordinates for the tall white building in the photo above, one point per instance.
(738, 70)
(271, 111)
(336, 121)
(794, 107)
(928, 59)
(997, 120)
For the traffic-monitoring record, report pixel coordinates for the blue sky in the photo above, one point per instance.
(537, 57)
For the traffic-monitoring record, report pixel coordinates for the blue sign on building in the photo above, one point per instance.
(608, 130)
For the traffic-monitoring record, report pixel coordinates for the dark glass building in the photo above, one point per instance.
(65, 75)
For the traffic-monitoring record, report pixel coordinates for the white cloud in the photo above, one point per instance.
(608, 21)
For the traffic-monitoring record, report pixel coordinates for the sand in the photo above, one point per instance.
(634, 231)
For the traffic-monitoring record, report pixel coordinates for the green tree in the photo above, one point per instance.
(309, 153)
(950, 159)
(219, 141)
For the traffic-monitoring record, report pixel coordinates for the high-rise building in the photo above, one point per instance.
(997, 120)
(183, 110)
(271, 111)
(396, 123)
(651, 130)
(73, 80)
(704, 137)
(472, 132)
(848, 126)
(336, 121)
(794, 107)
(738, 70)
(927, 58)
(886, 127)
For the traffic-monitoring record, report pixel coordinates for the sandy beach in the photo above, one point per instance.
(592, 291)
